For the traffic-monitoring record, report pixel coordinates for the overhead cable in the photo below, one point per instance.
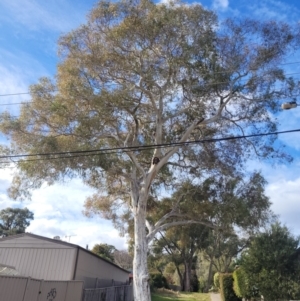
(105, 151)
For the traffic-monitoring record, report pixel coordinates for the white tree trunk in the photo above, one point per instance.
(141, 285)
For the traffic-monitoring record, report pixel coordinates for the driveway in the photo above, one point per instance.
(215, 297)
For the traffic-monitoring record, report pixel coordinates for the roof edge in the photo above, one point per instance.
(63, 243)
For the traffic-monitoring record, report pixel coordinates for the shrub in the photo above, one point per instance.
(202, 284)
(226, 288)
(217, 280)
(158, 281)
(240, 283)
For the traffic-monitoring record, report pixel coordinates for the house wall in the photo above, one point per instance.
(38, 258)
(89, 265)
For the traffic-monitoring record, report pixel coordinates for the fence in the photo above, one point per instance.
(14, 288)
(113, 293)
(100, 283)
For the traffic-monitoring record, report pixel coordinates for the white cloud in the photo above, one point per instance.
(283, 189)
(220, 4)
(58, 211)
(285, 196)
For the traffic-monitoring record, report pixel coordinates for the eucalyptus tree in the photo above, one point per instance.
(182, 244)
(139, 73)
(105, 251)
(234, 205)
(14, 220)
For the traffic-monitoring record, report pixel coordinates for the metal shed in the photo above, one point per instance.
(50, 259)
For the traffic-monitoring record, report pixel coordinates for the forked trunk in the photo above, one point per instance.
(141, 286)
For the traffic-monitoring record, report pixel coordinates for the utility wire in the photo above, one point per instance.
(218, 72)
(129, 106)
(106, 151)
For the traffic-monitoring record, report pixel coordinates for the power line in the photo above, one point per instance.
(218, 72)
(14, 94)
(132, 105)
(83, 153)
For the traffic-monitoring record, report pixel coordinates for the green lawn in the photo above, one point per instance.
(181, 296)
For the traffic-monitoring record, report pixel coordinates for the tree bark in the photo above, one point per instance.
(141, 287)
(209, 277)
(187, 276)
(180, 278)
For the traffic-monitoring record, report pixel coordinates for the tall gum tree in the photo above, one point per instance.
(139, 73)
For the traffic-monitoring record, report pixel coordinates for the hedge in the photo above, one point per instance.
(240, 283)
(226, 288)
(217, 280)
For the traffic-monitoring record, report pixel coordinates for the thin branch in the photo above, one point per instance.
(172, 213)
(151, 235)
(149, 226)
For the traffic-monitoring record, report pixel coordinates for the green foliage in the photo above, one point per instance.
(157, 280)
(202, 283)
(217, 280)
(181, 245)
(241, 283)
(14, 220)
(105, 251)
(226, 288)
(272, 264)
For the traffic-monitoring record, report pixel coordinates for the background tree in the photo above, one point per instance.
(236, 206)
(138, 74)
(272, 264)
(123, 259)
(105, 251)
(223, 248)
(182, 245)
(14, 220)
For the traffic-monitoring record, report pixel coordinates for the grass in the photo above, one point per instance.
(167, 295)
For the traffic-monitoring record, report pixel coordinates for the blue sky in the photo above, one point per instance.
(29, 30)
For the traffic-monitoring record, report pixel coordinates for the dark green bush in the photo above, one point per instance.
(241, 283)
(226, 288)
(194, 283)
(158, 281)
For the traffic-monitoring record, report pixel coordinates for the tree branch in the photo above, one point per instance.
(151, 235)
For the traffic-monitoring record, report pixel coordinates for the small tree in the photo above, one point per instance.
(15, 220)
